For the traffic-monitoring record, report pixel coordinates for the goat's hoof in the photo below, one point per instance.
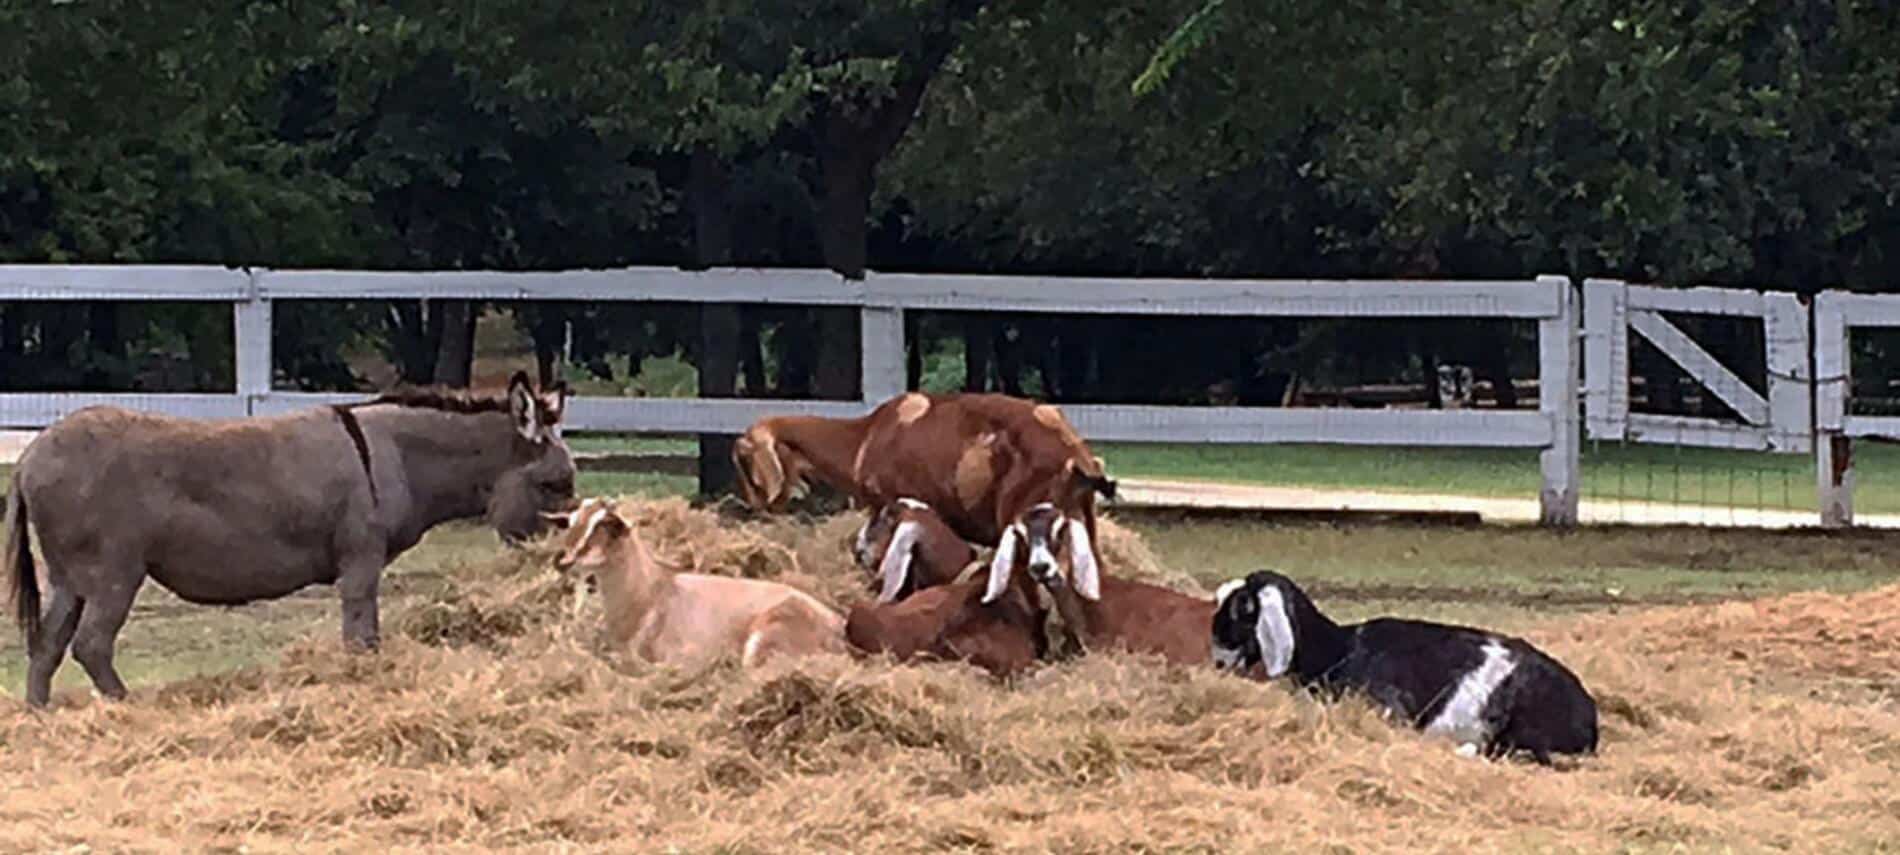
(1469, 749)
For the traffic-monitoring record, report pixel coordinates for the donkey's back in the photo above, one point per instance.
(217, 512)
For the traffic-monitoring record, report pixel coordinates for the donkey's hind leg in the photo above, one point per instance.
(100, 619)
(56, 632)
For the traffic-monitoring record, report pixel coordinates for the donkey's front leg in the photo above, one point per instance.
(357, 584)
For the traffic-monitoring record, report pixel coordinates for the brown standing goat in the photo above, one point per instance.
(674, 618)
(978, 460)
(1102, 612)
(923, 612)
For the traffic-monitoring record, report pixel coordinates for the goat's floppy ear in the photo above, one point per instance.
(558, 519)
(1273, 629)
(523, 407)
(1003, 564)
(1084, 572)
(765, 473)
(897, 557)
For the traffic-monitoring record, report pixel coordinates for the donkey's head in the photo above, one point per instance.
(539, 477)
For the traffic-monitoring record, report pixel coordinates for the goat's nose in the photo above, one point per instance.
(1043, 571)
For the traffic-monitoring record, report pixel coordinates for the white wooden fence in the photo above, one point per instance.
(1836, 314)
(881, 300)
(1781, 420)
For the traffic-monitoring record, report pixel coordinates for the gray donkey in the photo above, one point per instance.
(253, 509)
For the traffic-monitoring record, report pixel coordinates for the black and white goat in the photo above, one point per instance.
(1495, 695)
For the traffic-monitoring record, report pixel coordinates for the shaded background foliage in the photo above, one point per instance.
(1742, 143)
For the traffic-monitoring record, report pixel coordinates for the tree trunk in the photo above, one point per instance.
(976, 354)
(752, 354)
(455, 354)
(11, 346)
(851, 140)
(913, 351)
(1496, 366)
(719, 325)
(549, 333)
(843, 229)
(1073, 358)
(415, 331)
(102, 338)
(1009, 359)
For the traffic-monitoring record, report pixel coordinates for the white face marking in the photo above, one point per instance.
(594, 518)
(1227, 589)
(1226, 657)
(1274, 630)
(913, 504)
(1463, 715)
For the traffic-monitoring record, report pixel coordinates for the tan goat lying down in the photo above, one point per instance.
(674, 618)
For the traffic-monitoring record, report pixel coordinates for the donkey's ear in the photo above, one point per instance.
(523, 406)
(555, 400)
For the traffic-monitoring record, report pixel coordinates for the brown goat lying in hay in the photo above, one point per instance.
(924, 612)
(1102, 612)
(978, 460)
(674, 618)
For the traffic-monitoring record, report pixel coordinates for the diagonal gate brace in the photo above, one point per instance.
(1699, 364)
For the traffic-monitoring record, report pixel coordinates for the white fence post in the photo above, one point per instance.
(1785, 336)
(881, 352)
(251, 323)
(1557, 346)
(1833, 449)
(1606, 388)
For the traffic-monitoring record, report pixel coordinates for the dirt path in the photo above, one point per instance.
(1491, 508)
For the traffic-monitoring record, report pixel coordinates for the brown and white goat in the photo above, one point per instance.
(673, 618)
(978, 460)
(924, 612)
(1101, 612)
(907, 547)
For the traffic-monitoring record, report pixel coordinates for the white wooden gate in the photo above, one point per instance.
(1780, 421)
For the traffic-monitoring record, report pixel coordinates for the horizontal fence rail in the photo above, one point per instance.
(881, 300)
(1803, 408)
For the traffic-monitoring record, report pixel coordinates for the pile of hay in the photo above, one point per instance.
(489, 722)
(519, 590)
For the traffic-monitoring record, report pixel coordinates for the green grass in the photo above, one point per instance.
(1628, 471)
(610, 443)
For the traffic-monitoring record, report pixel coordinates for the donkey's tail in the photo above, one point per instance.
(18, 561)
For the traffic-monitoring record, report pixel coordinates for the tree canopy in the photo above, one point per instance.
(1743, 143)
